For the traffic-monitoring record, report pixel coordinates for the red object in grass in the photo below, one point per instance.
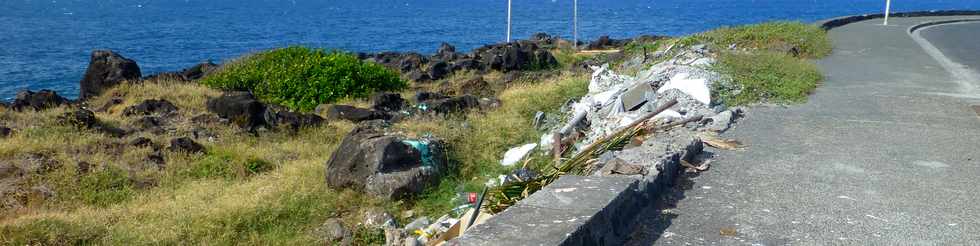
(471, 197)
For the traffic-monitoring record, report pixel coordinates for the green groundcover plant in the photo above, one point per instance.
(302, 78)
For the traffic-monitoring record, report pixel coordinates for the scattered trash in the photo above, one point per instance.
(417, 224)
(691, 168)
(423, 147)
(728, 232)
(516, 154)
(538, 119)
(482, 217)
(720, 143)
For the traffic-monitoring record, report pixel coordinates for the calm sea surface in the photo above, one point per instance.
(46, 44)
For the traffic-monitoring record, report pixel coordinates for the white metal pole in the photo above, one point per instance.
(508, 21)
(575, 25)
(888, 9)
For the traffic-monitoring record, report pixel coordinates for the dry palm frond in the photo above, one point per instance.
(581, 163)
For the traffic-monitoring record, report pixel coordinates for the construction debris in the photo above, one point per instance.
(625, 125)
(721, 143)
(516, 154)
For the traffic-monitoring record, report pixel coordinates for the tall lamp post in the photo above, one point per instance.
(508, 21)
(575, 25)
(888, 9)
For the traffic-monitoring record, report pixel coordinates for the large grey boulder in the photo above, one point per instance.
(385, 165)
(105, 70)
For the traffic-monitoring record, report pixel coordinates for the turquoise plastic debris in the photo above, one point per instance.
(423, 147)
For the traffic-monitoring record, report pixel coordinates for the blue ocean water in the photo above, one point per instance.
(45, 44)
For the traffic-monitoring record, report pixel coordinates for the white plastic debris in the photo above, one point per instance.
(696, 88)
(668, 114)
(516, 154)
(547, 141)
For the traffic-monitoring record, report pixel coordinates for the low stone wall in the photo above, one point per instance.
(575, 210)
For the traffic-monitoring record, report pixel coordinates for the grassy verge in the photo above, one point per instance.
(767, 76)
(247, 189)
(769, 62)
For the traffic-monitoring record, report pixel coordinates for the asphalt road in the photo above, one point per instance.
(885, 152)
(958, 41)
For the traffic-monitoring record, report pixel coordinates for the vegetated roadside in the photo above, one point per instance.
(268, 188)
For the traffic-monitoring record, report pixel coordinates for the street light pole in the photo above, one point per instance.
(508, 21)
(888, 9)
(575, 25)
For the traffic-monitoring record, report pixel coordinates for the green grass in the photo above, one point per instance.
(637, 48)
(220, 163)
(761, 69)
(567, 57)
(302, 78)
(104, 187)
(811, 40)
(767, 76)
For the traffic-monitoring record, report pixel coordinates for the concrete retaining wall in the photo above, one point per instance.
(574, 210)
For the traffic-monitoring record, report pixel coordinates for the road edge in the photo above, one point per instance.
(841, 21)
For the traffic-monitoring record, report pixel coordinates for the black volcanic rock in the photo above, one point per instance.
(105, 70)
(41, 100)
(240, 107)
(149, 107)
(185, 144)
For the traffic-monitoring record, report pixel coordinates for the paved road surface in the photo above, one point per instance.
(882, 154)
(960, 42)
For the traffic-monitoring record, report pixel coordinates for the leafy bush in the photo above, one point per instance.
(302, 78)
(767, 76)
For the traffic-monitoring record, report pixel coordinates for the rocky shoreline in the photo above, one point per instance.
(373, 157)
(469, 90)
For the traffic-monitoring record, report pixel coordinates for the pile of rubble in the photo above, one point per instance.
(616, 101)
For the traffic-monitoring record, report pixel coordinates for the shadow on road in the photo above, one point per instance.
(652, 223)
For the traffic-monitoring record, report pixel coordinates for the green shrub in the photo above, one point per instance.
(767, 76)
(302, 78)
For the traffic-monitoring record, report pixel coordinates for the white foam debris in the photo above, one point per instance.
(516, 154)
(696, 88)
(670, 113)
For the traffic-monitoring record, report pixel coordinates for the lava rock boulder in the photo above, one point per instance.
(37, 101)
(386, 165)
(186, 145)
(388, 102)
(150, 107)
(281, 117)
(351, 113)
(105, 70)
(240, 107)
